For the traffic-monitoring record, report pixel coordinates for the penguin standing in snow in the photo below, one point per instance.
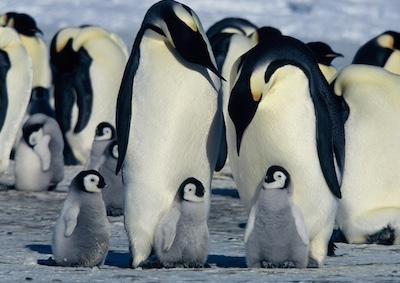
(169, 118)
(16, 82)
(276, 235)
(82, 232)
(105, 133)
(282, 111)
(88, 64)
(325, 55)
(382, 51)
(39, 163)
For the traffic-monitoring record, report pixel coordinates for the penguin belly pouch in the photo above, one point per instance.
(276, 235)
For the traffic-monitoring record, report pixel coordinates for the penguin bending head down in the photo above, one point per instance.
(276, 234)
(82, 232)
(168, 120)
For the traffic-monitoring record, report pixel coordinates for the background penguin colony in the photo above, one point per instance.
(300, 136)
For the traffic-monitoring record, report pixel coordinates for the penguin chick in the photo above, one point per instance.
(113, 192)
(82, 232)
(276, 234)
(39, 163)
(181, 238)
(105, 132)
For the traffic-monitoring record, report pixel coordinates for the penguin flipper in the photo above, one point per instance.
(4, 67)
(250, 223)
(168, 228)
(300, 225)
(64, 99)
(223, 148)
(84, 91)
(70, 220)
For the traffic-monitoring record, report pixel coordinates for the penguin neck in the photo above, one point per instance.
(273, 199)
(194, 211)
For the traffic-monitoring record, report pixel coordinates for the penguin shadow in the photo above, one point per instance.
(226, 193)
(114, 258)
(227, 261)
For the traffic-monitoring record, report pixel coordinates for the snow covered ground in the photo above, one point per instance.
(26, 220)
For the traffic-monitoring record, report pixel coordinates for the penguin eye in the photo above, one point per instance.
(92, 180)
(106, 131)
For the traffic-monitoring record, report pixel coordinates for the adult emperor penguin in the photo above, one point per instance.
(16, 81)
(39, 163)
(28, 31)
(181, 237)
(282, 111)
(325, 55)
(169, 118)
(82, 232)
(276, 235)
(231, 25)
(88, 64)
(382, 51)
(113, 192)
(370, 209)
(105, 133)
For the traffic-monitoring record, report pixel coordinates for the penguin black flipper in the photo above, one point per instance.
(83, 89)
(223, 148)
(124, 101)
(4, 67)
(39, 102)
(64, 99)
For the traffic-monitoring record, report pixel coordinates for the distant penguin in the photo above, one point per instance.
(88, 64)
(370, 209)
(113, 192)
(39, 163)
(231, 25)
(324, 55)
(82, 232)
(276, 234)
(382, 51)
(181, 237)
(282, 110)
(105, 133)
(15, 89)
(169, 118)
(28, 31)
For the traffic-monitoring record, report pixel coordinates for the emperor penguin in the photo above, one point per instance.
(282, 111)
(28, 31)
(88, 63)
(168, 120)
(231, 25)
(276, 235)
(113, 192)
(181, 237)
(370, 209)
(382, 50)
(82, 232)
(16, 82)
(325, 55)
(104, 134)
(39, 163)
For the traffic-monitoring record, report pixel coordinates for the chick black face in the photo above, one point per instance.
(276, 178)
(89, 181)
(192, 190)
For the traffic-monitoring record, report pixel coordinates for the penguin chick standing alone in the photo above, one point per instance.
(276, 235)
(181, 238)
(82, 233)
(39, 163)
(113, 192)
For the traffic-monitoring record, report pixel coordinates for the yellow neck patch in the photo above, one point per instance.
(257, 83)
(386, 41)
(185, 17)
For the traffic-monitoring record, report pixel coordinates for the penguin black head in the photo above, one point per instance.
(31, 133)
(266, 34)
(323, 52)
(276, 178)
(389, 39)
(22, 23)
(104, 131)
(113, 149)
(192, 190)
(181, 26)
(89, 181)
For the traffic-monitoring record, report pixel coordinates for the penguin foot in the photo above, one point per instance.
(267, 264)
(386, 236)
(287, 264)
(193, 265)
(114, 212)
(312, 263)
(150, 264)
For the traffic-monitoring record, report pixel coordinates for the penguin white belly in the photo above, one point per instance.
(283, 133)
(371, 181)
(106, 78)
(393, 62)
(28, 171)
(173, 126)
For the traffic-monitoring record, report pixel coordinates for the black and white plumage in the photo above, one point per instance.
(276, 234)
(39, 163)
(169, 118)
(231, 25)
(87, 64)
(382, 51)
(181, 237)
(16, 82)
(82, 232)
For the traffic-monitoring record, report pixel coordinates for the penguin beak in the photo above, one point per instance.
(334, 55)
(43, 151)
(101, 184)
(38, 30)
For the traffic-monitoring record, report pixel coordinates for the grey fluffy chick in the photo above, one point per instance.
(105, 132)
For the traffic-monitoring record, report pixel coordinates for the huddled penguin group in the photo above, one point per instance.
(310, 147)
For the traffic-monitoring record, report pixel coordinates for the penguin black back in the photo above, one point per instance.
(5, 65)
